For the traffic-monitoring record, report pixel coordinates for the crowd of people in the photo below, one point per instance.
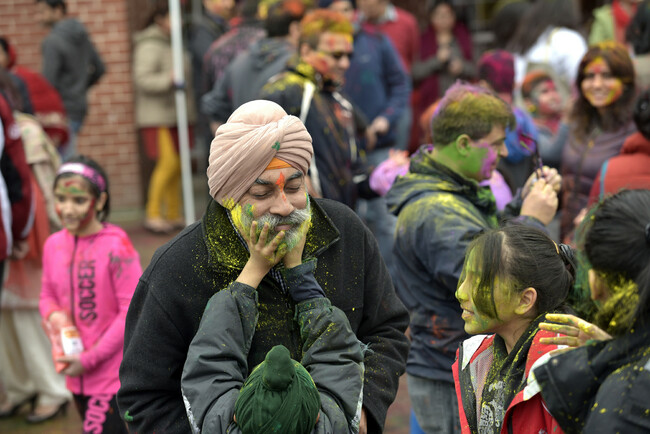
(385, 199)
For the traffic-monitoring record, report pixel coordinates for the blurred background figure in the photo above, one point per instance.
(44, 99)
(611, 21)
(544, 103)
(638, 37)
(379, 87)
(244, 77)
(70, 63)
(547, 38)
(631, 168)
(156, 118)
(206, 28)
(446, 54)
(601, 119)
(27, 372)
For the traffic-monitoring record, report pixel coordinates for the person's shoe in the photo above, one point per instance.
(47, 412)
(158, 226)
(8, 409)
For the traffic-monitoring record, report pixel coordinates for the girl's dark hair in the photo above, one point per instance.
(102, 215)
(521, 257)
(617, 245)
(542, 15)
(584, 116)
(503, 22)
(157, 9)
(638, 31)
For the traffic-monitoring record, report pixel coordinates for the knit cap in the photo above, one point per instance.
(279, 396)
(497, 67)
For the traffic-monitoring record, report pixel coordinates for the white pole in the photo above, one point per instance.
(181, 110)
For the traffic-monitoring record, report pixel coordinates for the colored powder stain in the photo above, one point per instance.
(128, 417)
(280, 183)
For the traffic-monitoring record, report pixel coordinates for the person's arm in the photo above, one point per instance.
(384, 321)
(216, 365)
(217, 103)
(52, 61)
(424, 68)
(125, 270)
(16, 174)
(96, 68)
(146, 72)
(396, 82)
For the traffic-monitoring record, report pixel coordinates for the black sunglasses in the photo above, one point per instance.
(338, 55)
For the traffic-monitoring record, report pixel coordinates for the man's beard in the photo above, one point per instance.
(299, 219)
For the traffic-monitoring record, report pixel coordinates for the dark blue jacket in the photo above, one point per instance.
(376, 81)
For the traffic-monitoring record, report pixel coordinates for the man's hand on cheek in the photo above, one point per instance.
(263, 255)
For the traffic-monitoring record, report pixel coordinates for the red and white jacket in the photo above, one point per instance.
(527, 413)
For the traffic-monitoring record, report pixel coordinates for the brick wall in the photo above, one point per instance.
(108, 134)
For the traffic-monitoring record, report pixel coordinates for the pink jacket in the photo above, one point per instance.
(92, 278)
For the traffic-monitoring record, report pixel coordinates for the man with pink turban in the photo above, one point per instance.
(261, 227)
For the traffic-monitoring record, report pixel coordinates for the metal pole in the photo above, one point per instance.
(181, 110)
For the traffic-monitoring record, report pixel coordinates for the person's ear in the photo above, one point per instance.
(101, 201)
(597, 286)
(462, 144)
(527, 301)
(294, 31)
(305, 50)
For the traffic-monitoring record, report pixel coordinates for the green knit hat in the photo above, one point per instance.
(279, 396)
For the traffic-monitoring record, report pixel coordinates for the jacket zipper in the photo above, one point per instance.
(72, 293)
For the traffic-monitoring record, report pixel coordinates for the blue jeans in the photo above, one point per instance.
(70, 148)
(435, 405)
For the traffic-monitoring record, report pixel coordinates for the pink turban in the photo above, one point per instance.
(254, 134)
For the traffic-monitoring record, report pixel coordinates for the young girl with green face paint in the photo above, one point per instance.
(511, 278)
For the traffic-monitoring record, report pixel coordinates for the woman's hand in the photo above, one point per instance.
(576, 330)
(74, 368)
(263, 256)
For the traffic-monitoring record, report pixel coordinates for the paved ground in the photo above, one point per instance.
(146, 244)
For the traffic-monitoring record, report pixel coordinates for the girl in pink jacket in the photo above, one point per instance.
(90, 271)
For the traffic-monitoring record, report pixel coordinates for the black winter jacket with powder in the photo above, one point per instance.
(205, 258)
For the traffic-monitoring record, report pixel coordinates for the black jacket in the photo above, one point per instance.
(603, 387)
(206, 257)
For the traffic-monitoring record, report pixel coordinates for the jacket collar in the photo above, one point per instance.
(225, 250)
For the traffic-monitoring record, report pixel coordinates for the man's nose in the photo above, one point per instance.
(503, 150)
(282, 207)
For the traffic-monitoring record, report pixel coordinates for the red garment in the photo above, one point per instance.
(428, 88)
(46, 101)
(526, 414)
(630, 169)
(25, 275)
(621, 19)
(149, 137)
(17, 184)
(403, 33)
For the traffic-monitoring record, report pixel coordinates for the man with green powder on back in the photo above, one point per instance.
(441, 207)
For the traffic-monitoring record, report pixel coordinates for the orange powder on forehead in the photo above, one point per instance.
(276, 163)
